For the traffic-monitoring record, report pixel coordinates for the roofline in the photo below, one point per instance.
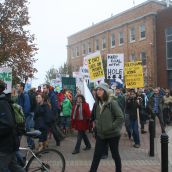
(117, 15)
(118, 26)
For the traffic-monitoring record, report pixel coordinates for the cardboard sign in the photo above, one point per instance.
(133, 72)
(69, 83)
(57, 84)
(115, 66)
(6, 76)
(95, 67)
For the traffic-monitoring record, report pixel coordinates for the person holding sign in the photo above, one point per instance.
(108, 122)
(132, 104)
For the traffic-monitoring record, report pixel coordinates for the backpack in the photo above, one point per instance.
(19, 117)
(7, 122)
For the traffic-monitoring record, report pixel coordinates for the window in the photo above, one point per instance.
(143, 58)
(77, 51)
(89, 47)
(132, 34)
(103, 42)
(132, 57)
(73, 53)
(121, 38)
(142, 31)
(112, 39)
(83, 49)
(169, 48)
(96, 44)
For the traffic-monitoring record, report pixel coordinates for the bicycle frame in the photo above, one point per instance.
(28, 150)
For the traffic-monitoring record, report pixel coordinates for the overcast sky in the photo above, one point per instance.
(52, 21)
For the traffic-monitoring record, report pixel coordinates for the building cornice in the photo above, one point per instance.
(116, 27)
(119, 14)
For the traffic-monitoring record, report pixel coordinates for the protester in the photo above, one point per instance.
(55, 110)
(108, 122)
(155, 106)
(66, 111)
(8, 135)
(80, 122)
(132, 106)
(43, 118)
(167, 107)
(24, 102)
(142, 110)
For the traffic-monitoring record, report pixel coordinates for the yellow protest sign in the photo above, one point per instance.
(133, 72)
(95, 67)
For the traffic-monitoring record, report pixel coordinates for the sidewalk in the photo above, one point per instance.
(133, 159)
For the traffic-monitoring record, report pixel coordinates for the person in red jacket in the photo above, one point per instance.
(80, 122)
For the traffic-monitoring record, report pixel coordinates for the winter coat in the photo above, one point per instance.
(131, 107)
(151, 104)
(78, 124)
(167, 102)
(24, 102)
(43, 116)
(54, 102)
(9, 142)
(109, 119)
(66, 107)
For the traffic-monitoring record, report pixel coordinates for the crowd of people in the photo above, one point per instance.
(59, 113)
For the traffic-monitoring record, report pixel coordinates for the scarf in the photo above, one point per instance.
(78, 106)
(101, 106)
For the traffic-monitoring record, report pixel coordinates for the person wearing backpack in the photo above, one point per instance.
(24, 102)
(8, 135)
(108, 122)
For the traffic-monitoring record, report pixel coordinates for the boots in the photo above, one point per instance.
(40, 146)
(45, 144)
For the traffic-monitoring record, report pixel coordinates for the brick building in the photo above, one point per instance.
(132, 32)
(164, 48)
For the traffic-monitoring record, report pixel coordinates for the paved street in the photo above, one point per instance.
(133, 160)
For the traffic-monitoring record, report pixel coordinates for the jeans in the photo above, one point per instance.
(8, 163)
(99, 148)
(29, 126)
(44, 134)
(161, 121)
(82, 135)
(135, 131)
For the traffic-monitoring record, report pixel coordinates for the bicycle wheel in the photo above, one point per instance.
(47, 160)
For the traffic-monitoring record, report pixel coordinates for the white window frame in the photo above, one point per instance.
(97, 44)
(141, 58)
(141, 38)
(132, 34)
(83, 49)
(103, 42)
(112, 40)
(121, 33)
(132, 57)
(77, 51)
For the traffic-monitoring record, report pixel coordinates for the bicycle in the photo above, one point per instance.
(46, 160)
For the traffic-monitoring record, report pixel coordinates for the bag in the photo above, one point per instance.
(7, 123)
(19, 117)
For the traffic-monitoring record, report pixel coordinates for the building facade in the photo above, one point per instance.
(132, 32)
(164, 48)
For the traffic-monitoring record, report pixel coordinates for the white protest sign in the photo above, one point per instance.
(115, 66)
(6, 76)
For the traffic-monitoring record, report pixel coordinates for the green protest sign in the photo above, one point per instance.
(6, 76)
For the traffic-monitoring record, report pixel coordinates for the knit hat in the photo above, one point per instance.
(2, 86)
(104, 86)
